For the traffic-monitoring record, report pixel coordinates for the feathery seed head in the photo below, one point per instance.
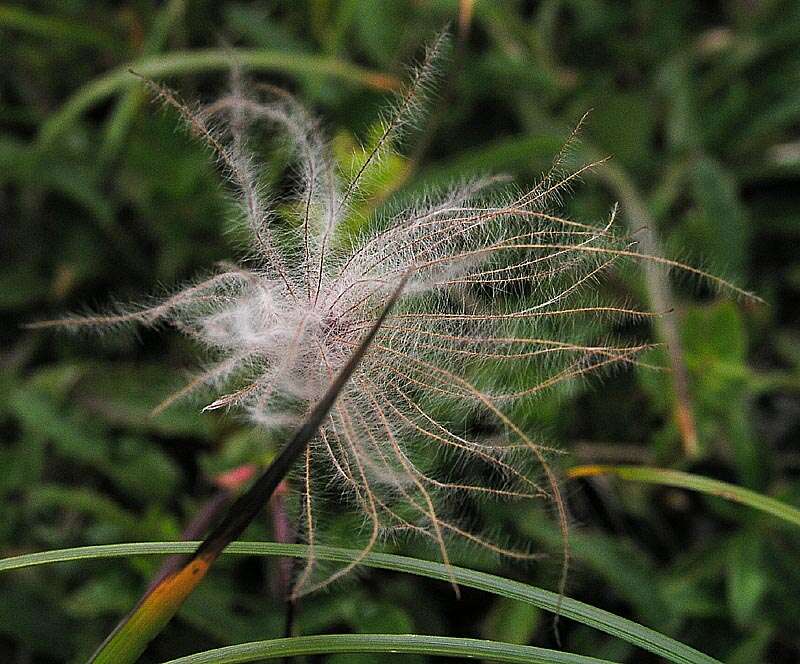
(495, 278)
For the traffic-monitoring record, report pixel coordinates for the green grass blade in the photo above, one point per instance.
(202, 61)
(54, 28)
(126, 107)
(699, 483)
(627, 630)
(437, 646)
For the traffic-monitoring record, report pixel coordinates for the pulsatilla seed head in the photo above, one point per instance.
(498, 281)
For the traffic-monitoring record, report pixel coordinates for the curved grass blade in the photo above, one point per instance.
(627, 630)
(205, 60)
(699, 483)
(434, 646)
(56, 28)
(131, 636)
(124, 112)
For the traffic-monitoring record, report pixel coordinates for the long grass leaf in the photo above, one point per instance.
(677, 478)
(55, 28)
(127, 105)
(202, 61)
(627, 630)
(435, 646)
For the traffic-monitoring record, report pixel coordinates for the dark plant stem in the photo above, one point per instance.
(248, 505)
(282, 532)
(155, 609)
(197, 527)
(288, 626)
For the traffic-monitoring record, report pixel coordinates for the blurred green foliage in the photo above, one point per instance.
(699, 106)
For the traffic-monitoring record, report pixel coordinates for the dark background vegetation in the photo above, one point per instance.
(699, 105)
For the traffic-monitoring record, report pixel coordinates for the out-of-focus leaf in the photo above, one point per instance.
(720, 225)
(715, 343)
(715, 336)
(532, 155)
(747, 578)
(54, 27)
(23, 611)
(631, 141)
(103, 595)
(753, 648)
(627, 569)
(125, 395)
(198, 61)
(682, 126)
(512, 622)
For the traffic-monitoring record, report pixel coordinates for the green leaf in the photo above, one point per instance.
(125, 110)
(699, 483)
(747, 578)
(715, 335)
(631, 141)
(529, 154)
(193, 62)
(622, 566)
(52, 27)
(638, 635)
(437, 646)
(512, 622)
(716, 353)
(720, 226)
